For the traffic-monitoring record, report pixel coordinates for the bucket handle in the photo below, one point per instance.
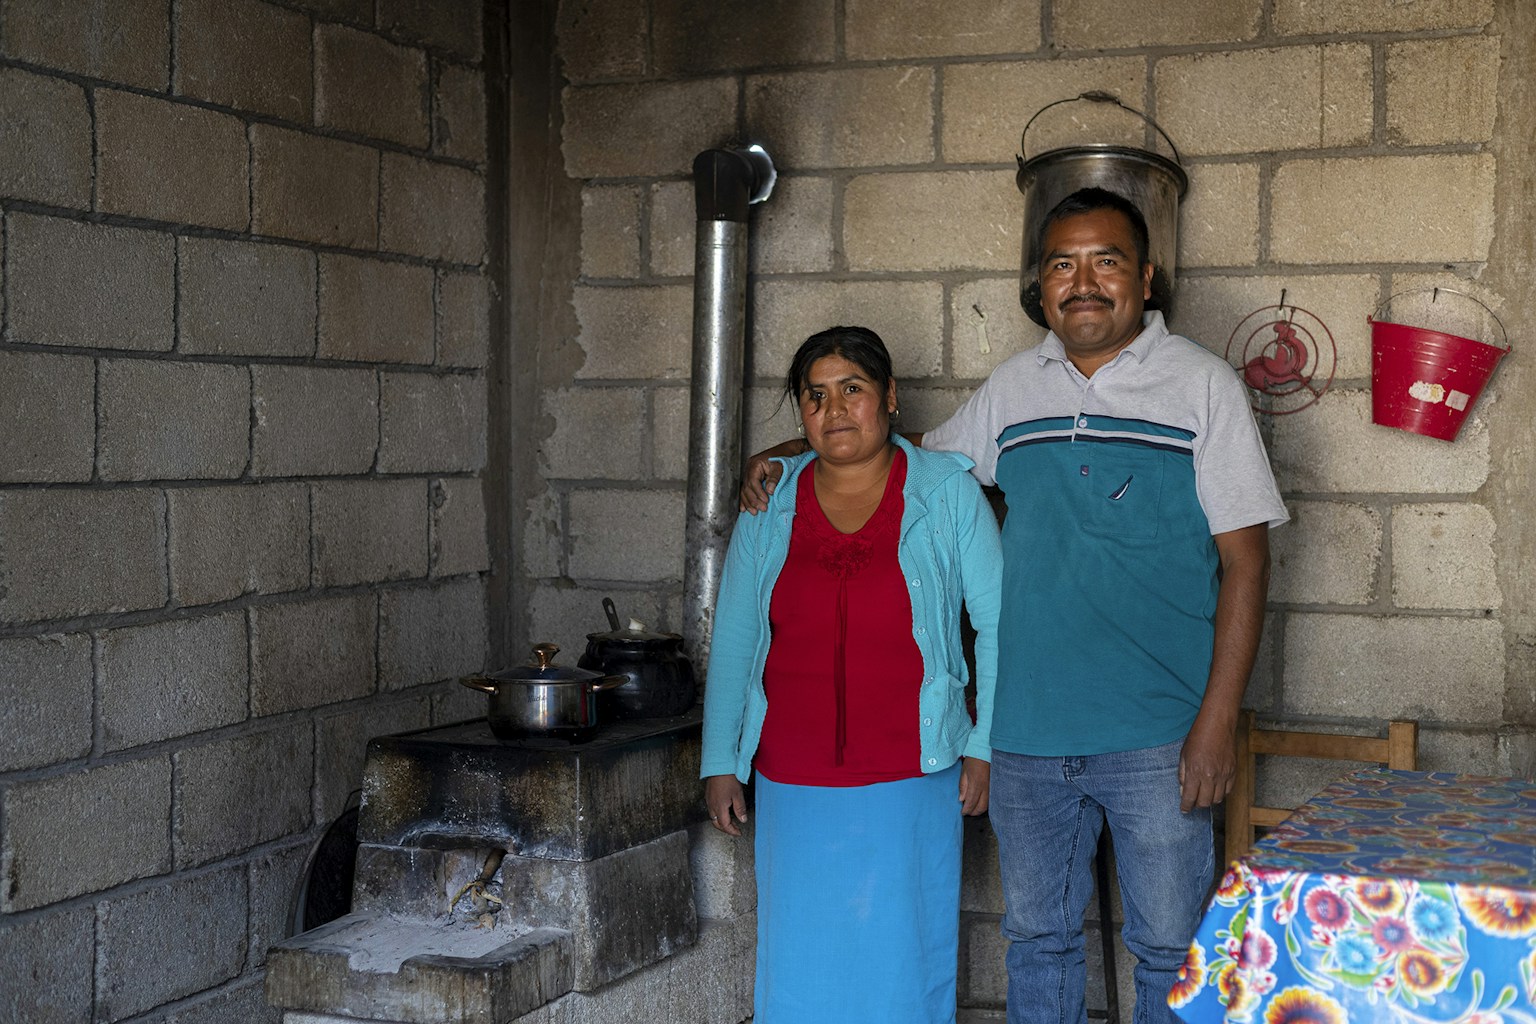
(1097, 96)
(1437, 289)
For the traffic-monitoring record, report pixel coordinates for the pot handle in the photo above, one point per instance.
(1096, 96)
(608, 683)
(480, 683)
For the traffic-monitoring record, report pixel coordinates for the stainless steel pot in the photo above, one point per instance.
(543, 699)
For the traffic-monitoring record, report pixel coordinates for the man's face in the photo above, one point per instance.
(1091, 289)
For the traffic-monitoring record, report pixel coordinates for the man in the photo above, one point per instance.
(1135, 569)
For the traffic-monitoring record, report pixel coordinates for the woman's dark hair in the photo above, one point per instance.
(859, 345)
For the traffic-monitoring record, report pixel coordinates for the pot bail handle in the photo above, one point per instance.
(1095, 96)
(1437, 289)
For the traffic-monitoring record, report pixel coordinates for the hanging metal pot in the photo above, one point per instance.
(543, 699)
(658, 677)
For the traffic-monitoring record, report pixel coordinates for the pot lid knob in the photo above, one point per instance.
(544, 654)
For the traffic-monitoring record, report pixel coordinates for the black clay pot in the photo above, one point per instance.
(658, 677)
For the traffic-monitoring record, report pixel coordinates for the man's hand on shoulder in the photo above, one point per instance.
(762, 474)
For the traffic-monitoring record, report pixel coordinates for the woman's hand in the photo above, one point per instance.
(975, 781)
(724, 796)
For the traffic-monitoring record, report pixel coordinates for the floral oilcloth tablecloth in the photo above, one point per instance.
(1390, 896)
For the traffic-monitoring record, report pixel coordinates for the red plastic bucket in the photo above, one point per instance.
(1426, 381)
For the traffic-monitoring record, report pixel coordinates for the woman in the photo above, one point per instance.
(836, 671)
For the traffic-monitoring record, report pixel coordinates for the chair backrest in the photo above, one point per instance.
(1398, 749)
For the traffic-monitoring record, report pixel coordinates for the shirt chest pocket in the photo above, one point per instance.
(1119, 491)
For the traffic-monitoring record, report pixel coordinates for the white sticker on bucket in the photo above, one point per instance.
(1457, 400)
(1427, 392)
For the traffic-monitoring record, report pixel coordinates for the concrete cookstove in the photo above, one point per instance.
(565, 866)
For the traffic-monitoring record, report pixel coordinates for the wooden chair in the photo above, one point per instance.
(1399, 749)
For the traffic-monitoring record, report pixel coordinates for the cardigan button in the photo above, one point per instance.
(933, 760)
(927, 721)
(916, 582)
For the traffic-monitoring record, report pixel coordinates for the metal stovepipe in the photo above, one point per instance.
(726, 182)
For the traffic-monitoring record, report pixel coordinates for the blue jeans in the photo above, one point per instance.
(1047, 813)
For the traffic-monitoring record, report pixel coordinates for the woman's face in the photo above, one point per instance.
(847, 418)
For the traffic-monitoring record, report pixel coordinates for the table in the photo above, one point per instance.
(1391, 895)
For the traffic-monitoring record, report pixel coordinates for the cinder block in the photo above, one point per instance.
(1443, 557)
(88, 285)
(47, 417)
(669, 433)
(54, 954)
(458, 526)
(1219, 219)
(564, 615)
(452, 704)
(439, 24)
(644, 333)
(458, 114)
(908, 316)
(273, 880)
(1307, 17)
(172, 420)
(925, 408)
(431, 209)
(314, 189)
(939, 28)
(1334, 448)
(542, 534)
(45, 140)
(312, 653)
(245, 1002)
(864, 116)
(170, 161)
(1467, 751)
(610, 231)
(620, 131)
(375, 311)
(169, 941)
(584, 445)
(113, 821)
(1442, 90)
(792, 232)
(311, 421)
(127, 41)
(432, 424)
(242, 298)
(245, 54)
(353, 12)
(1210, 309)
(228, 541)
(983, 977)
(634, 536)
(172, 678)
(240, 792)
(770, 417)
(981, 887)
(603, 39)
(341, 741)
(673, 223)
(1441, 209)
(947, 220)
(1329, 553)
(1227, 103)
(72, 553)
(689, 37)
(463, 320)
(369, 86)
(986, 326)
(45, 685)
(1102, 24)
(987, 106)
(1398, 666)
(724, 883)
(369, 530)
(427, 634)
(1415, 301)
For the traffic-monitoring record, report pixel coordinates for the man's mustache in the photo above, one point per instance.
(1092, 298)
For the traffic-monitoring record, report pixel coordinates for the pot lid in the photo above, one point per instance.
(543, 670)
(635, 632)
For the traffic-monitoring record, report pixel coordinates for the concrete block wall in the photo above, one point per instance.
(243, 341)
(1338, 153)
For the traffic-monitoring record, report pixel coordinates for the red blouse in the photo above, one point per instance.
(843, 670)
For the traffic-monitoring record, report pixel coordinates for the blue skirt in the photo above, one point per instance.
(858, 901)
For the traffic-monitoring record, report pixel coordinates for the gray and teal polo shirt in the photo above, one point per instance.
(1116, 485)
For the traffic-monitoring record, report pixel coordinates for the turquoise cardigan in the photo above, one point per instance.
(949, 551)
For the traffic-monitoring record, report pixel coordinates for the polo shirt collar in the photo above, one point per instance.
(1153, 330)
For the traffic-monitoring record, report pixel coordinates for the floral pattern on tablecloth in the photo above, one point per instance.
(1392, 895)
